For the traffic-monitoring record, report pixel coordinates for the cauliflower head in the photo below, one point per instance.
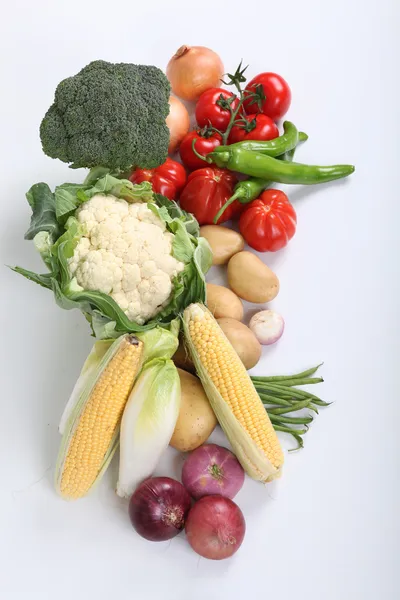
(125, 252)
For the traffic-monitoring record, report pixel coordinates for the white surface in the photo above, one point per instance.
(330, 528)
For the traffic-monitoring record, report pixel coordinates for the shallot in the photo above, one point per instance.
(267, 326)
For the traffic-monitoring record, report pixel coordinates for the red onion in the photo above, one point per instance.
(215, 527)
(158, 508)
(212, 469)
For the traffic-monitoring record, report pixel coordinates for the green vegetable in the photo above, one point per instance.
(58, 232)
(276, 147)
(281, 398)
(148, 423)
(248, 190)
(109, 115)
(279, 171)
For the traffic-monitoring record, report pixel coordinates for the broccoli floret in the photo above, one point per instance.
(110, 115)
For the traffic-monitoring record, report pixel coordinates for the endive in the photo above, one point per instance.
(148, 423)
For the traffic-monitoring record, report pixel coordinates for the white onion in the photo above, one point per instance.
(267, 326)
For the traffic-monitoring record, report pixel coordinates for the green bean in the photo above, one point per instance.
(290, 420)
(293, 408)
(274, 391)
(265, 398)
(294, 393)
(287, 397)
(299, 441)
(286, 377)
(305, 381)
(292, 432)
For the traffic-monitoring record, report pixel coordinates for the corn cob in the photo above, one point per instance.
(232, 395)
(91, 432)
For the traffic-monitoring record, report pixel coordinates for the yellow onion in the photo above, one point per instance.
(178, 123)
(193, 70)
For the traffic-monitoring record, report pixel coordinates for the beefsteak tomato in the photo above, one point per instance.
(268, 223)
(206, 192)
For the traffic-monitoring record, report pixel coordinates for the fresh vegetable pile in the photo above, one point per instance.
(130, 247)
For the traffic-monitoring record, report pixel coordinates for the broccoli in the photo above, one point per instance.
(109, 115)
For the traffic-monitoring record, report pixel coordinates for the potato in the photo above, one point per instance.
(182, 358)
(224, 242)
(222, 302)
(251, 279)
(196, 419)
(243, 340)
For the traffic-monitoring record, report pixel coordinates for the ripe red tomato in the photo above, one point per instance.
(211, 108)
(269, 222)
(253, 127)
(204, 144)
(206, 192)
(168, 179)
(273, 92)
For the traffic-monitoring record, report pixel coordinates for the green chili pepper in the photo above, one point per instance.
(289, 140)
(280, 171)
(244, 192)
(248, 190)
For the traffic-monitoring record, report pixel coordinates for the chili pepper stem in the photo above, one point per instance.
(223, 208)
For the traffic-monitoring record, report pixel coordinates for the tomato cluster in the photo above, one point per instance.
(225, 118)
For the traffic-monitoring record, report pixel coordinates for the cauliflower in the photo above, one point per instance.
(129, 259)
(125, 252)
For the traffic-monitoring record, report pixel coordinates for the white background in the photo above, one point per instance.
(330, 528)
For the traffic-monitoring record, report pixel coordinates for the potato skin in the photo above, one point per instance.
(243, 341)
(196, 420)
(182, 357)
(251, 279)
(224, 242)
(222, 302)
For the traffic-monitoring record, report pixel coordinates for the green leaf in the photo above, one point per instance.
(44, 218)
(43, 243)
(44, 280)
(67, 199)
(134, 192)
(102, 327)
(182, 246)
(203, 256)
(175, 212)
